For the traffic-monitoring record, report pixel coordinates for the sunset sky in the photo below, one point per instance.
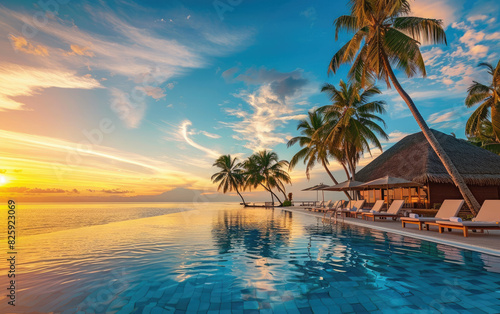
(118, 100)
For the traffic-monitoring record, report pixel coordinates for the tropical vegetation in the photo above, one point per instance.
(230, 177)
(385, 36)
(263, 169)
(341, 131)
(483, 126)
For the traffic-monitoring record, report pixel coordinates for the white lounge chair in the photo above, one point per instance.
(488, 218)
(315, 206)
(377, 207)
(392, 212)
(320, 209)
(337, 206)
(449, 208)
(356, 205)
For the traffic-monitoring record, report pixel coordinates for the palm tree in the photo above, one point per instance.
(230, 176)
(485, 138)
(352, 121)
(315, 150)
(385, 36)
(266, 170)
(489, 97)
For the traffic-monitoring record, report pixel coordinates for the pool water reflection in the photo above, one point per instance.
(221, 258)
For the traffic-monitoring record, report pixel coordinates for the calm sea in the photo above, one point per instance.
(37, 218)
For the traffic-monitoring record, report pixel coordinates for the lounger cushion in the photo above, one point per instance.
(490, 211)
(423, 219)
(449, 208)
(381, 214)
(378, 205)
(470, 223)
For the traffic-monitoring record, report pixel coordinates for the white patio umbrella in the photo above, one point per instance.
(318, 187)
(348, 185)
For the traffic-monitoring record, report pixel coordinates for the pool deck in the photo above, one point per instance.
(487, 242)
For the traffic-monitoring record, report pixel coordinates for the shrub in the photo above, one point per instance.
(437, 205)
(287, 203)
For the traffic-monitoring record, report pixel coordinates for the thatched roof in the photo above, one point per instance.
(413, 159)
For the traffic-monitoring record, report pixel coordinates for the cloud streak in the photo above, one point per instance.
(144, 58)
(271, 106)
(17, 80)
(185, 134)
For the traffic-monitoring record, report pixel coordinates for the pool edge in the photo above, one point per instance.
(408, 234)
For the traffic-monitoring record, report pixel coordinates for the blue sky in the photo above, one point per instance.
(185, 81)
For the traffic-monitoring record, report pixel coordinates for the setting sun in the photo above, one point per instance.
(3, 180)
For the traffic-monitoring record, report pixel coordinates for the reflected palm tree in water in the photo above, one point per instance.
(260, 232)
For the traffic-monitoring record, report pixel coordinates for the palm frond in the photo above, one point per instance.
(345, 23)
(429, 30)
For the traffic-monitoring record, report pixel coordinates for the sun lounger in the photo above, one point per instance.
(488, 218)
(343, 207)
(355, 206)
(337, 206)
(376, 208)
(392, 212)
(315, 206)
(449, 208)
(358, 209)
(349, 205)
(320, 209)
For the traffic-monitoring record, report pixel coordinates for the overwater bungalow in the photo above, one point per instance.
(412, 158)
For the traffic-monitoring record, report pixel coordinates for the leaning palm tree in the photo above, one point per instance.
(314, 150)
(385, 36)
(230, 177)
(488, 96)
(352, 121)
(266, 170)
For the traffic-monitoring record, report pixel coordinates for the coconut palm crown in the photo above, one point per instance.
(487, 113)
(230, 177)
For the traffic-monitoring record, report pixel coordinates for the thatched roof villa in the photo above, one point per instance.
(413, 159)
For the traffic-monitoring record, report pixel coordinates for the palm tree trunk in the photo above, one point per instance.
(242, 199)
(272, 193)
(282, 191)
(333, 178)
(352, 167)
(445, 159)
(495, 120)
(346, 172)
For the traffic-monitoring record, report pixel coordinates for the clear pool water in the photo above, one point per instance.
(219, 258)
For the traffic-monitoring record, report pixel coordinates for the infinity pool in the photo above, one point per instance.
(220, 258)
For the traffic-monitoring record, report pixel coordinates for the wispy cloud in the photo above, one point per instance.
(185, 133)
(395, 136)
(21, 44)
(17, 80)
(451, 118)
(446, 10)
(309, 13)
(144, 58)
(131, 112)
(210, 135)
(272, 105)
(453, 69)
(399, 110)
(80, 51)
